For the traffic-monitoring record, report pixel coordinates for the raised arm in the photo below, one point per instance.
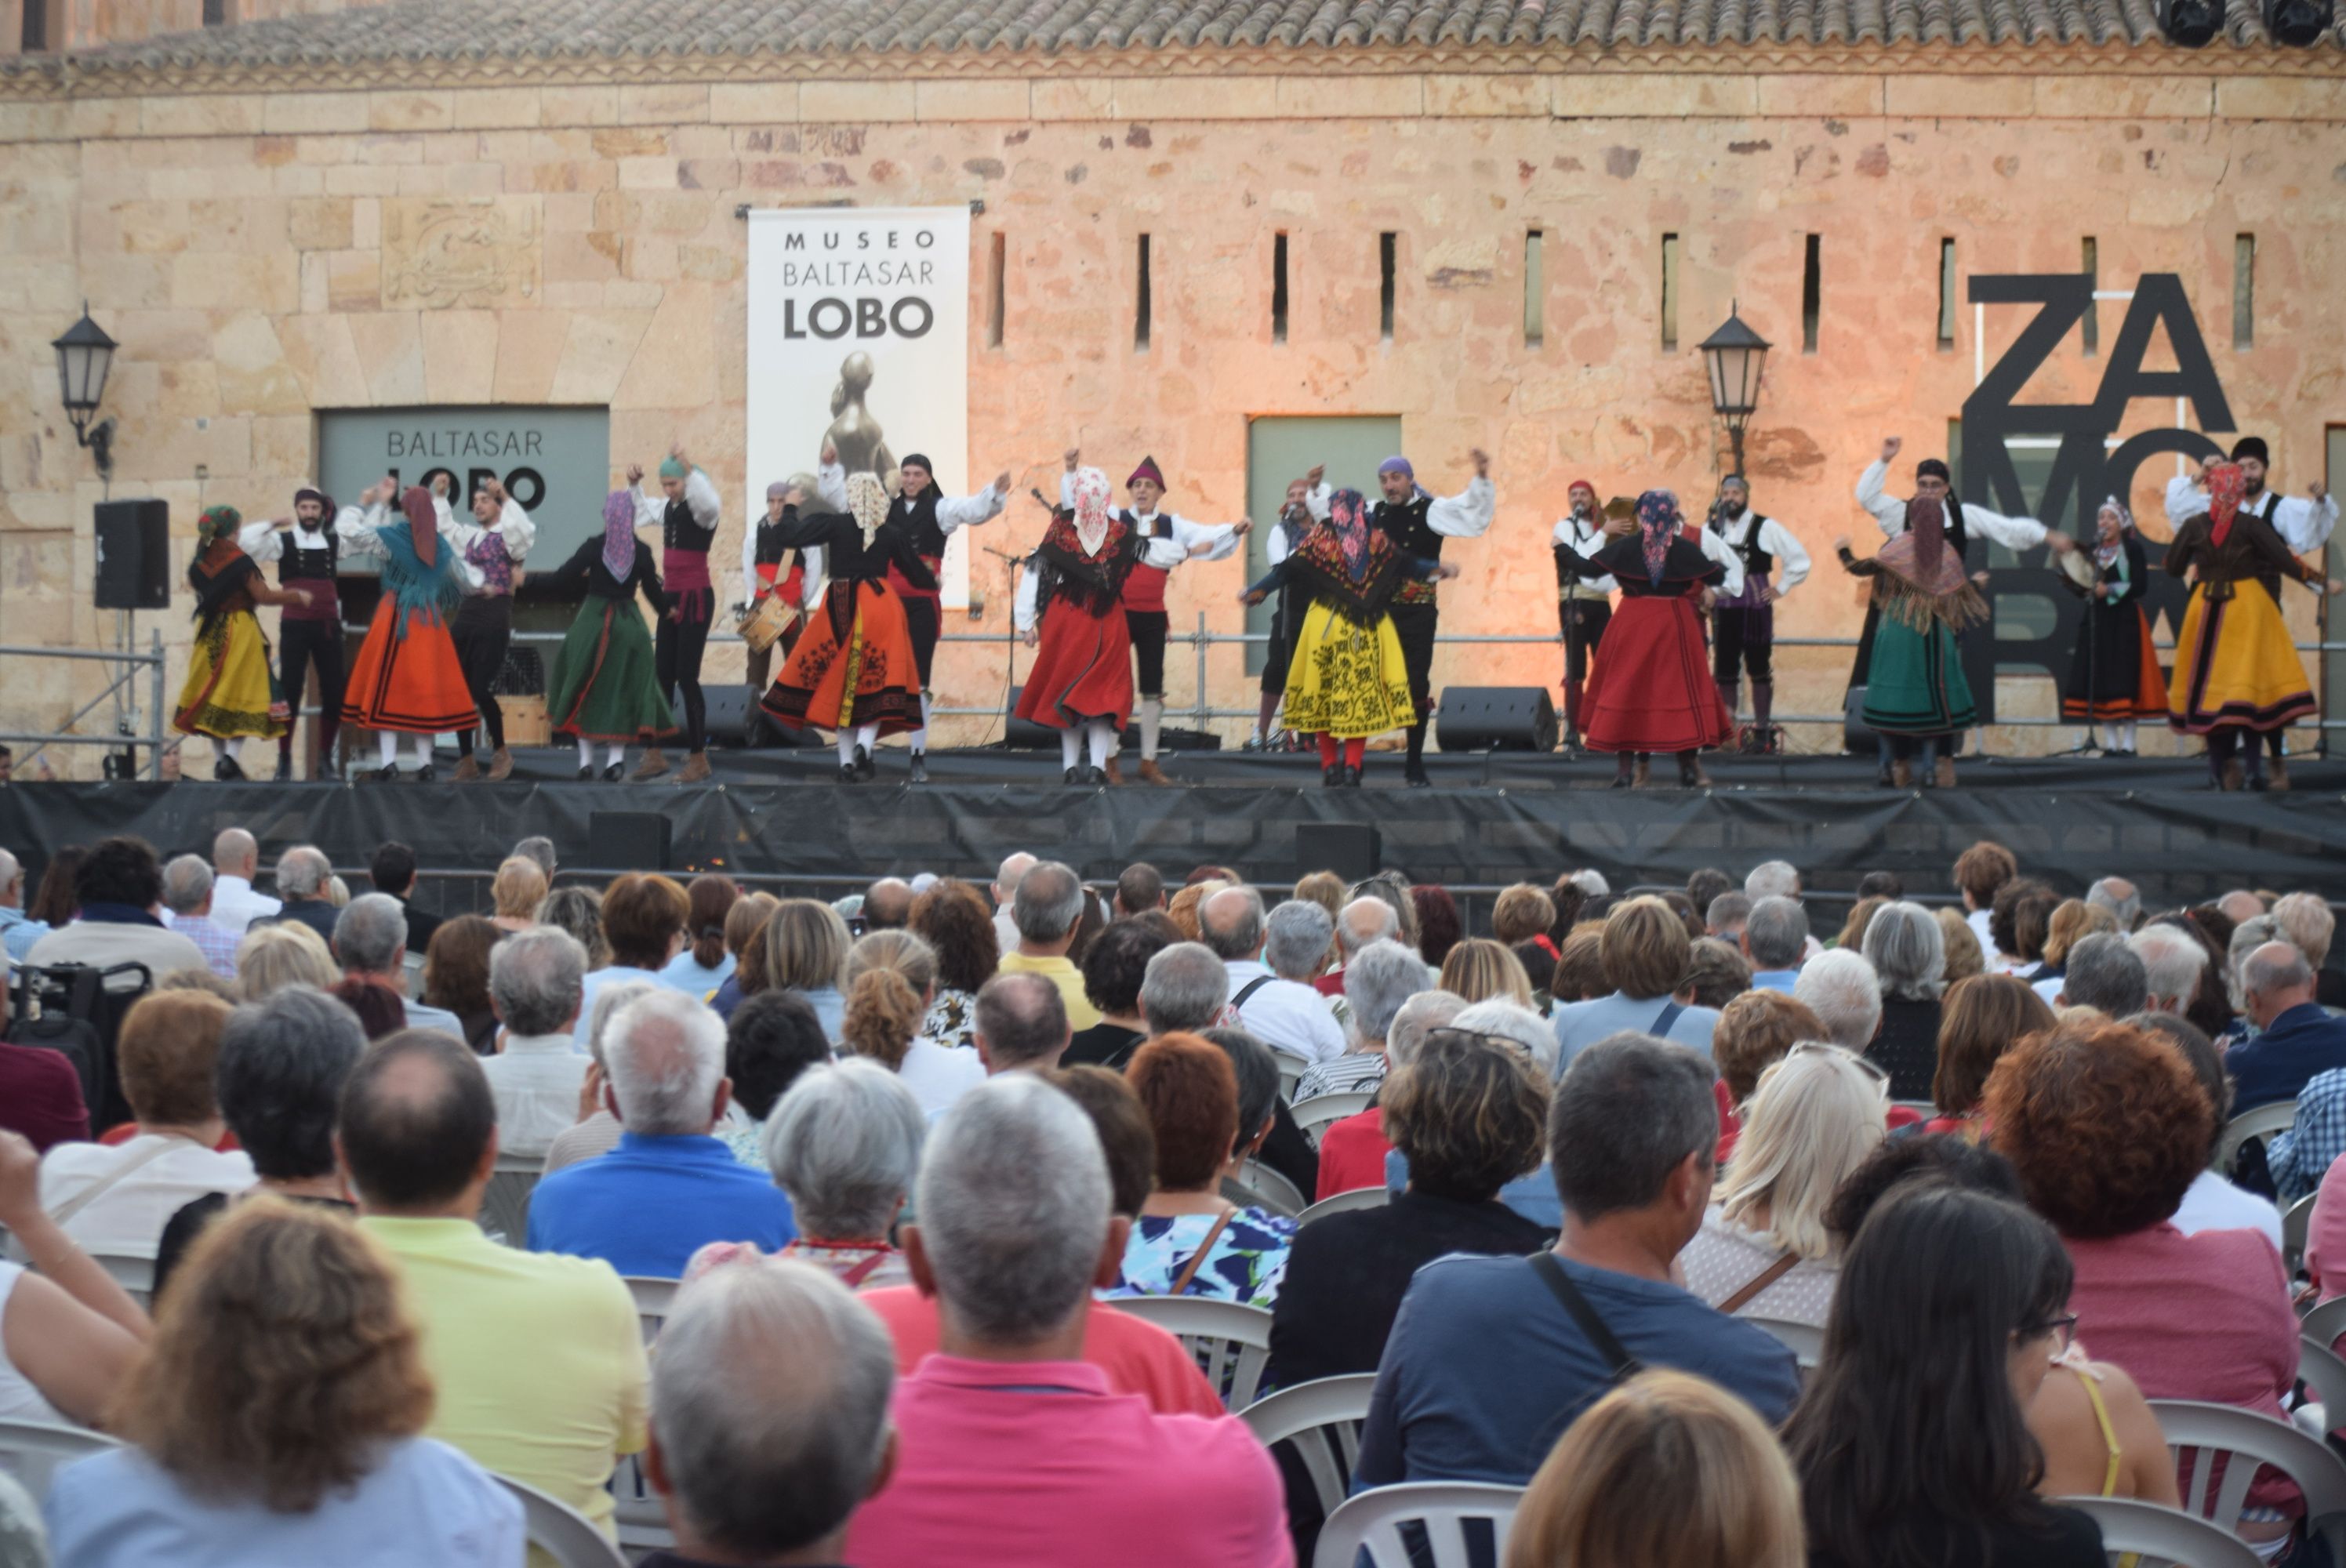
(355, 526)
(1218, 539)
(263, 541)
(971, 511)
(2012, 533)
(2305, 521)
(701, 495)
(1868, 567)
(518, 527)
(2185, 500)
(1791, 556)
(1887, 509)
(1468, 514)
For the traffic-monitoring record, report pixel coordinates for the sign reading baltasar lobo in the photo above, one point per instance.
(859, 338)
(556, 461)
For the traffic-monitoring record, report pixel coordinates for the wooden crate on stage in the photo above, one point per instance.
(526, 722)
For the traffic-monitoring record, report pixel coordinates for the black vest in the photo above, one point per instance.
(770, 546)
(1755, 560)
(679, 531)
(1406, 526)
(295, 564)
(1566, 573)
(918, 516)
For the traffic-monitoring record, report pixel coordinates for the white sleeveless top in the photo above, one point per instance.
(19, 1400)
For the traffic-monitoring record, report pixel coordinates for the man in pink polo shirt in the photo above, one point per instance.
(1013, 1450)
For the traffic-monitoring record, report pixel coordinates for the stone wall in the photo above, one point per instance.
(263, 254)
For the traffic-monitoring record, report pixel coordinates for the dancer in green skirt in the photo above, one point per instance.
(605, 685)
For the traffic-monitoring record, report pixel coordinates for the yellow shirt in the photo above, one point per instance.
(1061, 973)
(538, 1358)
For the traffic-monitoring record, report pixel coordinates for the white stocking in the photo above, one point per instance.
(1152, 721)
(619, 753)
(231, 748)
(386, 746)
(867, 736)
(423, 751)
(585, 752)
(847, 748)
(1103, 736)
(1071, 744)
(919, 739)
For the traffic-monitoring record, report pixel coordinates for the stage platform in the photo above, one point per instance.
(1489, 820)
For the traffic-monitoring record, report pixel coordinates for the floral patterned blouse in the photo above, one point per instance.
(1248, 1262)
(953, 1019)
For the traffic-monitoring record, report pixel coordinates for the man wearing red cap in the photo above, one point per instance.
(1143, 591)
(305, 549)
(1583, 604)
(407, 680)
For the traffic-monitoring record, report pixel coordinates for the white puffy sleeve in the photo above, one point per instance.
(1887, 509)
(1722, 553)
(2185, 500)
(969, 511)
(519, 529)
(1791, 556)
(1321, 498)
(2306, 524)
(1030, 585)
(651, 508)
(1468, 514)
(1223, 538)
(356, 529)
(701, 495)
(1166, 552)
(1275, 547)
(264, 542)
(2012, 533)
(750, 558)
(831, 485)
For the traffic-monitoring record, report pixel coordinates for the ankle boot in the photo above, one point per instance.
(467, 770)
(695, 769)
(500, 765)
(654, 764)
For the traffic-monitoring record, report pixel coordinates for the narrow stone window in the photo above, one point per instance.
(1278, 289)
(215, 12)
(1386, 247)
(2090, 264)
(1670, 292)
(1535, 289)
(1140, 303)
(994, 280)
(1946, 293)
(2244, 291)
(1813, 288)
(33, 28)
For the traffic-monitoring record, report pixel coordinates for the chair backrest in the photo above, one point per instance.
(1805, 1341)
(2250, 1440)
(505, 1206)
(1926, 1109)
(133, 1270)
(1371, 1523)
(1322, 1419)
(2325, 1322)
(2295, 1221)
(2323, 1373)
(1280, 1195)
(2156, 1536)
(653, 1299)
(2262, 1122)
(1290, 1069)
(1315, 1114)
(561, 1532)
(1345, 1202)
(1230, 1341)
(32, 1452)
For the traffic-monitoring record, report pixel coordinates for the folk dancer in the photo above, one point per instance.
(1297, 514)
(228, 694)
(854, 669)
(1346, 680)
(1070, 603)
(2304, 524)
(1418, 524)
(770, 567)
(606, 685)
(1648, 689)
(1583, 604)
(687, 513)
(2113, 677)
(407, 680)
(2236, 669)
(1145, 616)
(1743, 621)
(928, 516)
(492, 543)
(308, 630)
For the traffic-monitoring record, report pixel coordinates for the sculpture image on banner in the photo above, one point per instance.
(858, 341)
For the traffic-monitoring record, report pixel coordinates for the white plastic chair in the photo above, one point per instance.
(1345, 1202)
(1315, 1114)
(505, 1206)
(653, 1299)
(1280, 1195)
(1371, 1523)
(1322, 1418)
(1230, 1341)
(134, 1271)
(635, 1511)
(2162, 1537)
(2252, 1440)
(1291, 1070)
(2325, 1322)
(2260, 1122)
(2323, 1374)
(560, 1531)
(32, 1451)
(2295, 1221)
(1805, 1341)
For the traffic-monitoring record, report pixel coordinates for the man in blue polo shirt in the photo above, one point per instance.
(646, 1206)
(1492, 1357)
(2298, 1038)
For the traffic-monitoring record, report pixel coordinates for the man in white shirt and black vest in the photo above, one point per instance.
(1743, 623)
(1583, 604)
(1418, 523)
(307, 553)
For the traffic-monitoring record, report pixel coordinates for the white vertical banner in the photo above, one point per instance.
(859, 336)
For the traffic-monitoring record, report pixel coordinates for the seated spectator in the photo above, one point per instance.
(2248, 935)
(1763, 1248)
(1533, 1193)
(1980, 1019)
(2121, 898)
(539, 849)
(1470, 1113)
(515, 892)
(1275, 1141)
(1354, 1151)
(771, 1038)
(1190, 1240)
(669, 1187)
(536, 985)
(1021, 1023)
(1272, 994)
(1479, 969)
(2173, 960)
(952, 918)
(272, 957)
(1522, 913)
(1646, 953)
(1579, 970)
(281, 1064)
(456, 977)
(1909, 955)
(1363, 918)
(1439, 927)
(68, 1334)
(1688, 915)
(188, 908)
(292, 1321)
(1842, 989)
(379, 1008)
(371, 943)
(2203, 1317)
(2212, 1202)
(1772, 880)
(806, 951)
(1878, 1486)
(579, 912)
(1015, 1229)
(892, 979)
(117, 1200)
(1140, 888)
(538, 1360)
(1776, 940)
(1883, 885)
(597, 1130)
(1964, 958)
(2305, 923)
(1485, 1368)
(2295, 1038)
(2018, 924)
(844, 1143)
(1725, 917)
(745, 943)
(1665, 1471)
(1325, 888)
(1378, 980)
(1851, 935)
(1088, 925)
(18, 930)
(2297, 1159)
(117, 891)
(1754, 1032)
(2072, 921)
(770, 1422)
(643, 921)
(1980, 874)
(1045, 910)
(705, 962)
(1716, 973)
(2104, 973)
(51, 905)
(305, 881)
(1114, 971)
(40, 1092)
(393, 873)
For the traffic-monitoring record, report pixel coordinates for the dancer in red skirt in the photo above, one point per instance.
(1070, 601)
(854, 668)
(1650, 688)
(407, 680)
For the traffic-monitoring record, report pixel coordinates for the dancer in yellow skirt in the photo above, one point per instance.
(1347, 679)
(2236, 669)
(229, 694)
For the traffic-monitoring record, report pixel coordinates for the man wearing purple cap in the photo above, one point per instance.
(1418, 523)
(306, 550)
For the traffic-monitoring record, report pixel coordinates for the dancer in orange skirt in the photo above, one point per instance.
(407, 680)
(854, 669)
(2114, 678)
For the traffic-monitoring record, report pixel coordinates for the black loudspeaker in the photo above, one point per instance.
(1495, 719)
(134, 555)
(1168, 738)
(1855, 738)
(1023, 734)
(630, 840)
(1353, 850)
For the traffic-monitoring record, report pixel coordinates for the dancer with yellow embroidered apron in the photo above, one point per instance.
(229, 695)
(606, 687)
(407, 680)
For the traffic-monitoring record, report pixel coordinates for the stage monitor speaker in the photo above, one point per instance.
(735, 719)
(1855, 738)
(630, 840)
(134, 555)
(1023, 734)
(1495, 719)
(1353, 850)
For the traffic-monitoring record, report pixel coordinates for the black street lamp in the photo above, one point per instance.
(1734, 355)
(85, 355)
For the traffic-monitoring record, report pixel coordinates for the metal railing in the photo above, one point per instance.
(125, 738)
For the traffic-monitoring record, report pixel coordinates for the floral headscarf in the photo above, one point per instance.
(2227, 487)
(1658, 522)
(2104, 555)
(1348, 519)
(1092, 492)
(867, 503)
(620, 533)
(218, 523)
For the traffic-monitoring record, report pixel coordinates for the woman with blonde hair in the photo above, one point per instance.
(745, 939)
(1667, 1470)
(272, 957)
(2072, 921)
(519, 885)
(1325, 888)
(1763, 1247)
(1479, 969)
(1964, 958)
(277, 1415)
(891, 982)
(806, 951)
